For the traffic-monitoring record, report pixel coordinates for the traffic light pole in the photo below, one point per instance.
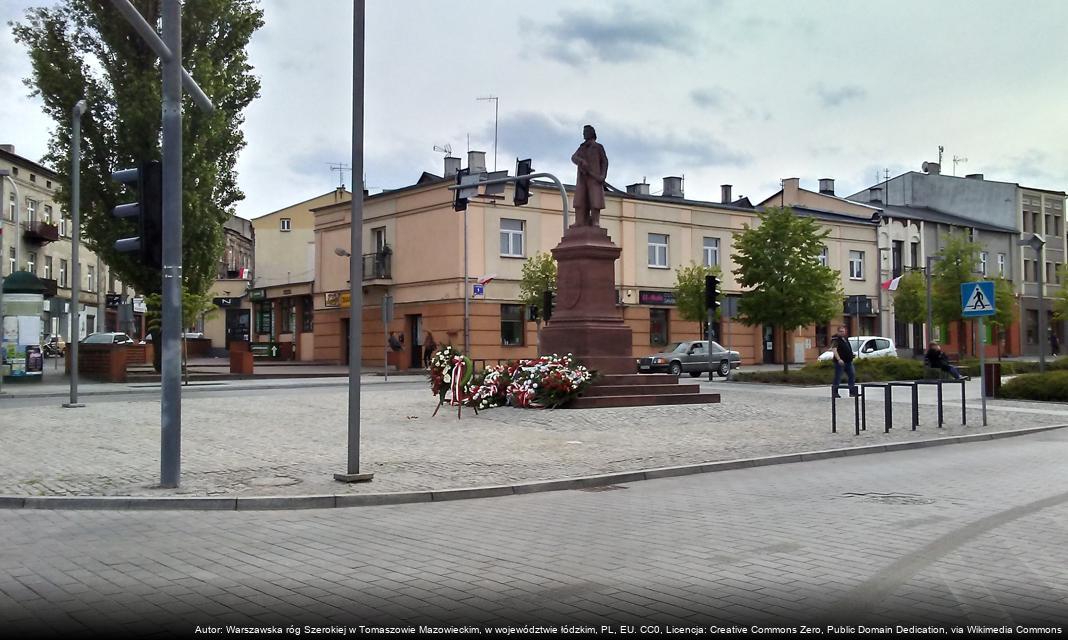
(171, 370)
(529, 176)
(169, 50)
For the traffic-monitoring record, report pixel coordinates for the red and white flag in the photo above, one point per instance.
(891, 285)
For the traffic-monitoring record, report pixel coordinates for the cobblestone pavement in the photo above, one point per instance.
(291, 441)
(972, 534)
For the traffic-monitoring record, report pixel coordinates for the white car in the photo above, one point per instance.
(867, 347)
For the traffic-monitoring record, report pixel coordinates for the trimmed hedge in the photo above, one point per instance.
(1038, 386)
(822, 373)
(970, 366)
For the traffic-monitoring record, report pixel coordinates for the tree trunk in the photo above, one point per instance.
(537, 328)
(785, 352)
(961, 338)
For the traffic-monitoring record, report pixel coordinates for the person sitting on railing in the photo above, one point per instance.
(935, 358)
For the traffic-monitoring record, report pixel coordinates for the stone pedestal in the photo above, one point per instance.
(586, 321)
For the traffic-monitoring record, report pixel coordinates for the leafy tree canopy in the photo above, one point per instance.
(84, 49)
(910, 298)
(690, 291)
(539, 275)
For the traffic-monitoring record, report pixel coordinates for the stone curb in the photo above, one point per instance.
(263, 503)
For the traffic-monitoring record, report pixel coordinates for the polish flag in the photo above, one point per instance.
(891, 285)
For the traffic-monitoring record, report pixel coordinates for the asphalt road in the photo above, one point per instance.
(966, 534)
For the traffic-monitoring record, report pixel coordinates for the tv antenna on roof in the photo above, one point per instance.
(447, 149)
(341, 168)
(957, 160)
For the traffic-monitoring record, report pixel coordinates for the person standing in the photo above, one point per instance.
(429, 347)
(843, 361)
(1054, 344)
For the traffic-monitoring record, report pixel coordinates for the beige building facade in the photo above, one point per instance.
(425, 272)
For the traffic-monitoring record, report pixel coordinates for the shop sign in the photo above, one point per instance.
(257, 294)
(664, 298)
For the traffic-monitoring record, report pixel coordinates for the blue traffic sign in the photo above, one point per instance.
(479, 290)
(977, 299)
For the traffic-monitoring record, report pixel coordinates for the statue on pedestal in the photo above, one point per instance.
(589, 185)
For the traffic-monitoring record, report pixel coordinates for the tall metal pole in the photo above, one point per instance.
(76, 240)
(356, 261)
(467, 296)
(982, 366)
(171, 373)
(1043, 339)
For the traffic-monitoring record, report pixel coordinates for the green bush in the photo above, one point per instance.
(1038, 386)
(822, 373)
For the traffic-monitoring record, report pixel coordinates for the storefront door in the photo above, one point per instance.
(769, 344)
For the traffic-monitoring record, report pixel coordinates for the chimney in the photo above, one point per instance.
(638, 188)
(827, 186)
(875, 195)
(725, 193)
(10, 148)
(476, 162)
(452, 166)
(672, 187)
(932, 168)
(974, 176)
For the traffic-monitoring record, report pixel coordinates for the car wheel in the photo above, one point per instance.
(694, 374)
(724, 368)
(676, 369)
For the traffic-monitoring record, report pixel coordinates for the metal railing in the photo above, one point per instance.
(377, 266)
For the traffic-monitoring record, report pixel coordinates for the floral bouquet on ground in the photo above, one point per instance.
(490, 386)
(547, 382)
(442, 368)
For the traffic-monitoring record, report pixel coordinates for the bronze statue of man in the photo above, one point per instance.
(589, 185)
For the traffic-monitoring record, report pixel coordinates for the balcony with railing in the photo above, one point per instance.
(39, 232)
(377, 267)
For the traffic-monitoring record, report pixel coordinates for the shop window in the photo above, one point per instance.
(658, 327)
(823, 332)
(512, 332)
(264, 319)
(288, 312)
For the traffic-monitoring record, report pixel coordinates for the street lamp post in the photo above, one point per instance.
(930, 316)
(1037, 243)
(76, 240)
(6, 173)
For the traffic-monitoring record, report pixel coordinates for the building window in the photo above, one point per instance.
(288, 312)
(307, 314)
(33, 178)
(90, 279)
(62, 272)
(48, 183)
(825, 256)
(379, 236)
(48, 213)
(31, 211)
(658, 250)
(982, 263)
(31, 262)
(1049, 272)
(286, 224)
(658, 327)
(264, 324)
(11, 206)
(1001, 264)
(90, 324)
(1056, 273)
(856, 265)
(511, 238)
(1032, 326)
(62, 226)
(111, 282)
(48, 268)
(915, 254)
(11, 261)
(823, 333)
(711, 252)
(512, 325)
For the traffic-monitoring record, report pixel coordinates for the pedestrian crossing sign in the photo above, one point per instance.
(977, 299)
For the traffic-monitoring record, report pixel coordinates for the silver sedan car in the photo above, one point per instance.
(691, 357)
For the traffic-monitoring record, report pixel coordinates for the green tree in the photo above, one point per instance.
(1060, 299)
(1005, 307)
(84, 49)
(910, 298)
(690, 291)
(195, 306)
(778, 262)
(539, 276)
(959, 258)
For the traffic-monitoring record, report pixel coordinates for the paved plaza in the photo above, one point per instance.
(970, 534)
(290, 440)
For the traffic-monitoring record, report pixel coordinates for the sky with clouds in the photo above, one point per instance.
(719, 91)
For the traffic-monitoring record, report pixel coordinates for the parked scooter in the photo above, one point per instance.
(54, 348)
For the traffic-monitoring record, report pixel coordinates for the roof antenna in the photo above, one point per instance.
(341, 168)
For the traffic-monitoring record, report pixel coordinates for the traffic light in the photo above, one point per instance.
(711, 293)
(459, 203)
(522, 187)
(547, 305)
(146, 212)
